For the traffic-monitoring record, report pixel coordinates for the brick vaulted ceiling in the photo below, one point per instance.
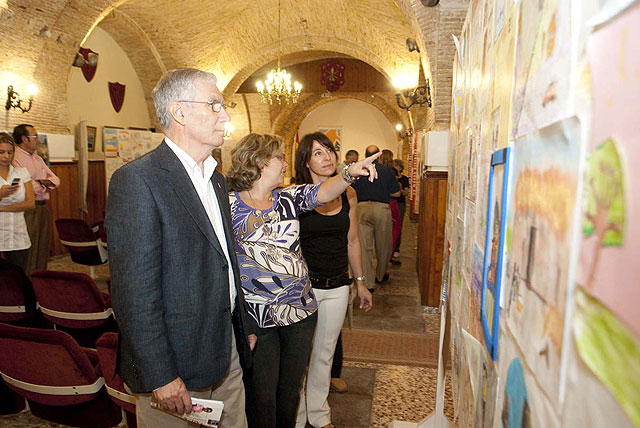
(233, 39)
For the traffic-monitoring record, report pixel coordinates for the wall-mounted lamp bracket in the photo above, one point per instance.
(14, 101)
(420, 95)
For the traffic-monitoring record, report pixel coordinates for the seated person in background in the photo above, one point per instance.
(16, 196)
(330, 244)
(274, 274)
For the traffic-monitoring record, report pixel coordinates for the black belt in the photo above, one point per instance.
(319, 281)
(43, 202)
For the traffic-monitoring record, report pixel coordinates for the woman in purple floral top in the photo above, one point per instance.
(273, 272)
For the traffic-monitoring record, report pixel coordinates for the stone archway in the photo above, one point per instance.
(289, 118)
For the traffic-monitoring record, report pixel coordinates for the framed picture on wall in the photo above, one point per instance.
(91, 138)
(494, 248)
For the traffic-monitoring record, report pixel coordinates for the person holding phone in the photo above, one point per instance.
(16, 196)
(43, 180)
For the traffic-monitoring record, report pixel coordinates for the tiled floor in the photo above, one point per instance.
(402, 387)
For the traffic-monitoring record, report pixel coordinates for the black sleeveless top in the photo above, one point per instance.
(323, 239)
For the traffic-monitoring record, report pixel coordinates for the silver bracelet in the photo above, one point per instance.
(346, 176)
(359, 278)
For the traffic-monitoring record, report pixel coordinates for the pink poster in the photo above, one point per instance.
(610, 259)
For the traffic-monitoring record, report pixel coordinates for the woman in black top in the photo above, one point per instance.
(330, 244)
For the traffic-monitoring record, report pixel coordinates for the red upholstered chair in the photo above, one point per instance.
(87, 245)
(17, 299)
(107, 347)
(60, 380)
(74, 304)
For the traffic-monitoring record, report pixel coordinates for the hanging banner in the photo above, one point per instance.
(88, 70)
(116, 92)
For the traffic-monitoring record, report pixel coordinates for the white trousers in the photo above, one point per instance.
(314, 407)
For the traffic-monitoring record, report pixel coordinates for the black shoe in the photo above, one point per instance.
(371, 290)
(385, 278)
(395, 262)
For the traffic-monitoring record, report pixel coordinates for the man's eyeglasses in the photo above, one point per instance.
(215, 106)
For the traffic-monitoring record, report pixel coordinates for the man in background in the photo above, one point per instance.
(350, 157)
(44, 180)
(374, 220)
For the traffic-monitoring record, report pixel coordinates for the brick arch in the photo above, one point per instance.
(264, 56)
(290, 117)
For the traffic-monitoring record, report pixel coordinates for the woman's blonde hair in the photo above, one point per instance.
(6, 138)
(248, 157)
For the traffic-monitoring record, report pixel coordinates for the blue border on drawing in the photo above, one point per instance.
(500, 157)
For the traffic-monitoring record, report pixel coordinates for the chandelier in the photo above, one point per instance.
(277, 86)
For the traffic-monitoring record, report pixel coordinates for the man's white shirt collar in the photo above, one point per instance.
(190, 164)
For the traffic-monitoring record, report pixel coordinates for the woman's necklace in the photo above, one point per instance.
(268, 226)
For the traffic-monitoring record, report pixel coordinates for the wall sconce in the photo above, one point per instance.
(420, 95)
(404, 135)
(14, 101)
(228, 129)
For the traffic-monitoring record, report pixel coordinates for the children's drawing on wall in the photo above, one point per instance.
(609, 268)
(486, 398)
(481, 206)
(458, 252)
(473, 134)
(499, 18)
(545, 176)
(543, 48)
(478, 260)
(610, 350)
(607, 321)
(516, 411)
(495, 129)
(469, 221)
(604, 207)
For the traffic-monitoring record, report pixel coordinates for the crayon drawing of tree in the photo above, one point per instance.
(604, 205)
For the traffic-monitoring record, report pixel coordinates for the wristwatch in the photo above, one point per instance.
(359, 278)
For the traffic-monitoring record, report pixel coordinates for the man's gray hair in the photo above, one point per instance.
(176, 85)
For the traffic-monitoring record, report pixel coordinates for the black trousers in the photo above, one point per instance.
(273, 383)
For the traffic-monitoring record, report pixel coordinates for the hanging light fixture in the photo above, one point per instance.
(277, 86)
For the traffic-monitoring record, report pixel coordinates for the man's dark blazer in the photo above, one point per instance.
(169, 277)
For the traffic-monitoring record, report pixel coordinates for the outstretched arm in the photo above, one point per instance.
(333, 187)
